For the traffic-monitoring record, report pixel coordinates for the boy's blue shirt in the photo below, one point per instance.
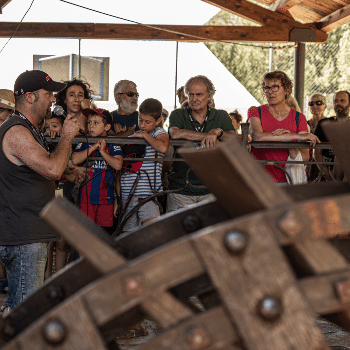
(100, 188)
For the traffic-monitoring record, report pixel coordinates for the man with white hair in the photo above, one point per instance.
(125, 118)
(197, 122)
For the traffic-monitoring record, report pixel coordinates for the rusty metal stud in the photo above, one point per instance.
(54, 332)
(192, 223)
(198, 338)
(270, 308)
(133, 285)
(291, 224)
(236, 241)
(8, 330)
(55, 294)
(343, 290)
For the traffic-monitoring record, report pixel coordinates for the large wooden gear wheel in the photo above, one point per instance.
(263, 260)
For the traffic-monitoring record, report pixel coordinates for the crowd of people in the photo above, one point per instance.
(115, 192)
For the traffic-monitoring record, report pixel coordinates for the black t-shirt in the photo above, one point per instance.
(328, 154)
(126, 120)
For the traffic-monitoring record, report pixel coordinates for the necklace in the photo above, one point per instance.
(35, 130)
(202, 128)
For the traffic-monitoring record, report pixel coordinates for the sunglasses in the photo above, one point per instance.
(317, 103)
(129, 94)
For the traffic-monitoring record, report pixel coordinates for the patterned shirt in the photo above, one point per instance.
(150, 180)
(100, 188)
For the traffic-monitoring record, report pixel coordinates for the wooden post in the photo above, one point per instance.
(299, 74)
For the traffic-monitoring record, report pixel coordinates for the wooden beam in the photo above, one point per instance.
(264, 16)
(3, 3)
(256, 13)
(335, 20)
(141, 32)
(284, 5)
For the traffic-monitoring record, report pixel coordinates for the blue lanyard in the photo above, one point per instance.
(36, 131)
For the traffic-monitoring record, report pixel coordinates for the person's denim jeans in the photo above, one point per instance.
(25, 267)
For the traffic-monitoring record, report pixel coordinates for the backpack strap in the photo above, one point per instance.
(259, 110)
(297, 119)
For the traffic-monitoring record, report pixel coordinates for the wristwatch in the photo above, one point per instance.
(221, 132)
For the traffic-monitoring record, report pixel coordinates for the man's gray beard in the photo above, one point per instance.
(126, 107)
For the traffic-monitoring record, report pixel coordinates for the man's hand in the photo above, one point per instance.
(70, 126)
(75, 174)
(209, 141)
(211, 138)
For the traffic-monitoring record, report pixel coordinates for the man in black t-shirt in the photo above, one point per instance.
(125, 118)
(341, 104)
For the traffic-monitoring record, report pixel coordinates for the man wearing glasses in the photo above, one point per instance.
(341, 105)
(125, 118)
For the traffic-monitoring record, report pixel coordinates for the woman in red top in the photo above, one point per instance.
(277, 121)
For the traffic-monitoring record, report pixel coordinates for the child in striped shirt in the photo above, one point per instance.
(149, 174)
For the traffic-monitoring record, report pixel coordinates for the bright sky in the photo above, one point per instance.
(150, 64)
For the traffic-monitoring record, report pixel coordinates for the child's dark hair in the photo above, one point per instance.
(54, 116)
(151, 107)
(61, 95)
(235, 114)
(108, 116)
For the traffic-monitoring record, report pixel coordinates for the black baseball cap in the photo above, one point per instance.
(32, 80)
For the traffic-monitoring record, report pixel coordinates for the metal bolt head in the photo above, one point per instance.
(198, 338)
(54, 332)
(192, 223)
(291, 224)
(270, 308)
(55, 293)
(236, 241)
(343, 290)
(133, 285)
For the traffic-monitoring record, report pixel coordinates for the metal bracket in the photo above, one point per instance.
(302, 35)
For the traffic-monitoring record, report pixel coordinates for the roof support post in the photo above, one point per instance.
(299, 74)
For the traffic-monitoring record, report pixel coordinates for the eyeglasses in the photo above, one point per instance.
(129, 94)
(273, 88)
(317, 103)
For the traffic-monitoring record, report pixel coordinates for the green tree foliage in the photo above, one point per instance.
(326, 65)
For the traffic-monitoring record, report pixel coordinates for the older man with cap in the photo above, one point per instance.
(7, 104)
(125, 118)
(27, 183)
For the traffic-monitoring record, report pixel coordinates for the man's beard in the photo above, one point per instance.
(342, 112)
(127, 108)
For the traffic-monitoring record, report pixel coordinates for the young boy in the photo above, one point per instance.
(150, 180)
(96, 197)
(53, 125)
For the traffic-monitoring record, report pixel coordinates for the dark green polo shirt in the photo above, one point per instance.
(218, 119)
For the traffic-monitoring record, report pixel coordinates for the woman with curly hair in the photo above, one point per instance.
(277, 121)
(75, 97)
